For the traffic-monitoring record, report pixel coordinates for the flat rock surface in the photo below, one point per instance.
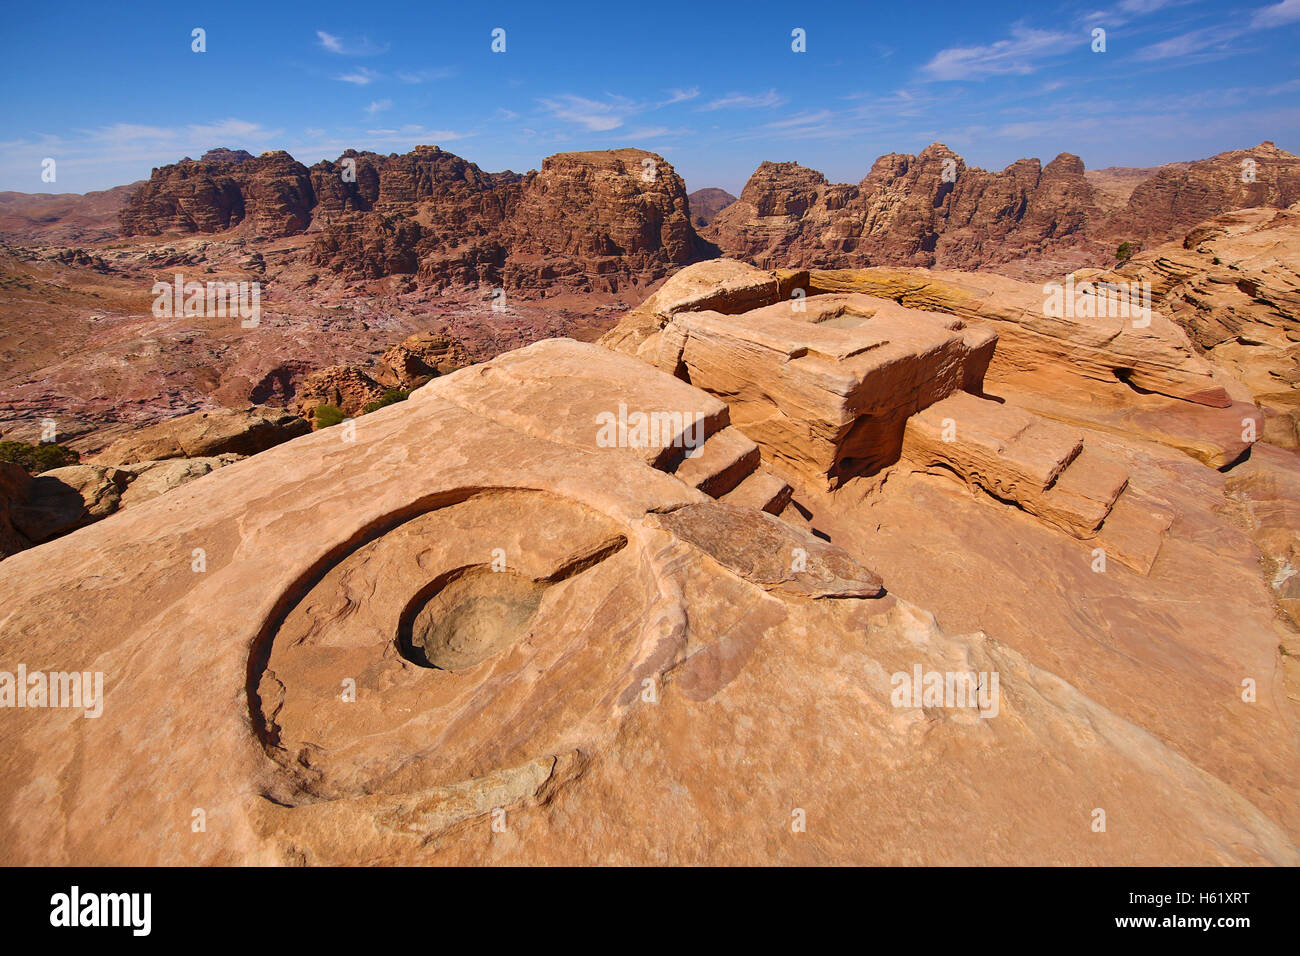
(693, 677)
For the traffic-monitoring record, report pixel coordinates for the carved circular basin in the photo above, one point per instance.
(476, 615)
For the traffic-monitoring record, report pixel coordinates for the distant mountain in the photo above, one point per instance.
(592, 221)
(63, 218)
(932, 210)
(1115, 184)
(707, 203)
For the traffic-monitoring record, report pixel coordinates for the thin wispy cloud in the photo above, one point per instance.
(379, 106)
(330, 42)
(1280, 14)
(745, 101)
(1018, 54)
(414, 134)
(1186, 44)
(426, 76)
(597, 116)
(361, 46)
(360, 77)
(681, 96)
(802, 119)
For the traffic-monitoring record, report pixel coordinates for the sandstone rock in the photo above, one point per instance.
(47, 509)
(763, 490)
(718, 285)
(14, 483)
(932, 210)
(1177, 198)
(225, 188)
(150, 479)
(909, 210)
(1233, 284)
(240, 431)
(1107, 348)
(1040, 466)
(1268, 487)
(594, 220)
(757, 547)
(368, 562)
(100, 486)
(827, 390)
(342, 386)
(419, 357)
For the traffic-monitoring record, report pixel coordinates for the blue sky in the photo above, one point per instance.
(112, 90)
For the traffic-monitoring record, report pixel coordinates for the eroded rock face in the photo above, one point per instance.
(1084, 342)
(343, 387)
(1176, 199)
(1233, 284)
(239, 431)
(14, 482)
(932, 210)
(607, 643)
(420, 357)
(826, 386)
(225, 188)
(587, 222)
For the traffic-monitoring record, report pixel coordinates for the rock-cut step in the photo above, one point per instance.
(1044, 468)
(762, 490)
(1012, 454)
(725, 459)
(727, 467)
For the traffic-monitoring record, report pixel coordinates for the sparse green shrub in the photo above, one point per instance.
(390, 397)
(327, 415)
(37, 458)
(1126, 251)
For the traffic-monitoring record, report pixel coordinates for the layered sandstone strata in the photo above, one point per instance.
(1233, 283)
(826, 386)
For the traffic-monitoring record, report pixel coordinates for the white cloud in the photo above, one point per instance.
(595, 115)
(361, 47)
(413, 134)
(360, 77)
(745, 101)
(801, 119)
(1143, 7)
(1188, 43)
(1288, 11)
(1010, 56)
(681, 96)
(378, 106)
(425, 76)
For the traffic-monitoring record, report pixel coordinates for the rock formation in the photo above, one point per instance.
(586, 221)
(1233, 284)
(239, 431)
(932, 210)
(808, 563)
(222, 190)
(573, 631)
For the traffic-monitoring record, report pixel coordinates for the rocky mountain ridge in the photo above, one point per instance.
(932, 210)
(587, 221)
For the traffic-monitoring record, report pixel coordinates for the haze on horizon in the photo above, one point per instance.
(121, 90)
